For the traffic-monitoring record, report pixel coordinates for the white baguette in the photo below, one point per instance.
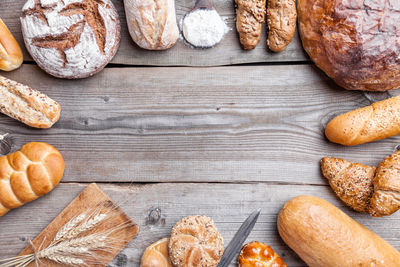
(27, 105)
(323, 236)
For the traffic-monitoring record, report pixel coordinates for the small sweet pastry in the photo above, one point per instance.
(257, 254)
(352, 182)
(28, 174)
(156, 255)
(386, 198)
(10, 52)
(195, 241)
(71, 39)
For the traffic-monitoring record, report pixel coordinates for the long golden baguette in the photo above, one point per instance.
(27, 174)
(27, 104)
(324, 236)
(10, 52)
(377, 121)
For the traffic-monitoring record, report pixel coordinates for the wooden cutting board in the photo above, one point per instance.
(91, 197)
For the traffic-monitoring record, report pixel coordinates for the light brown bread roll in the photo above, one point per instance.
(352, 182)
(324, 236)
(257, 254)
(250, 15)
(27, 174)
(152, 23)
(27, 105)
(10, 52)
(386, 197)
(281, 22)
(377, 121)
(156, 255)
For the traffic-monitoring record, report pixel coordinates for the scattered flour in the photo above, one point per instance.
(204, 28)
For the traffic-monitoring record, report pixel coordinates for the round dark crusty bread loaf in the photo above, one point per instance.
(71, 39)
(355, 42)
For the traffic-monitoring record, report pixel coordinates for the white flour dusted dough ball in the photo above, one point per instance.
(71, 38)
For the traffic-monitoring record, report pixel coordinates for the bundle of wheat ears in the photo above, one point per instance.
(77, 243)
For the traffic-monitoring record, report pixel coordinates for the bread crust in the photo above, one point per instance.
(10, 53)
(324, 236)
(27, 105)
(29, 173)
(352, 182)
(156, 255)
(354, 42)
(152, 23)
(281, 22)
(195, 241)
(386, 198)
(250, 15)
(377, 121)
(257, 254)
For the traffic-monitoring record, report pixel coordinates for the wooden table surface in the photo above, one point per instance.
(219, 132)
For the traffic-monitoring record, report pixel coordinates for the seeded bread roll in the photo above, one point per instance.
(352, 182)
(28, 174)
(386, 197)
(377, 121)
(250, 15)
(27, 105)
(10, 52)
(71, 39)
(324, 236)
(152, 23)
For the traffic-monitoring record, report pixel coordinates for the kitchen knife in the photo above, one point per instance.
(237, 241)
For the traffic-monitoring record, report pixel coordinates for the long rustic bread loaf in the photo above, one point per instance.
(250, 15)
(352, 182)
(27, 174)
(152, 23)
(27, 105)
(281, 22)
(377, 121)
(10, 52)
(71, 39)
(324, 236)
(386, 197)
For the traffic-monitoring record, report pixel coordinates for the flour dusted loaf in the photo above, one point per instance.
(71, 38)
(10, 52)
(324, 236)
(27, 105)
(355, 42)
(152, 23)
(194, 242)
(27, 174)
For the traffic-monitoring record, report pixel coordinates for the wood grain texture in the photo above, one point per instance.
(254, 124)
(91, 199)
(226, 53)
(157, 207)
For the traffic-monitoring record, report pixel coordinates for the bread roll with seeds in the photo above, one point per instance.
(352, 182)
(28, 174)
(386, 198)
(27, 105)
(377, 121)
(195, 241)
(71, 39)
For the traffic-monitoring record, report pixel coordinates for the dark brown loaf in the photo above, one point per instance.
(355, 42)
(323, 236)
(71, 39)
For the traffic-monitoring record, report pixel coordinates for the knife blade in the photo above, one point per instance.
(237, 241)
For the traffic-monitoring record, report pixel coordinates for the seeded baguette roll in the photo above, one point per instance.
(377, 121)
(10, 52)
(323, 236)
(27, 174)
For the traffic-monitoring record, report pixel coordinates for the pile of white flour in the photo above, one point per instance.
(204, 28)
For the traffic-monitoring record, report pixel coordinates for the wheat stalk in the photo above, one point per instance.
(85, 226)
(71, 224)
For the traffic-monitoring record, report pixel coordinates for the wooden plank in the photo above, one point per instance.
(91, 199)
(226, 53)
(260, 123)
(157, 207)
